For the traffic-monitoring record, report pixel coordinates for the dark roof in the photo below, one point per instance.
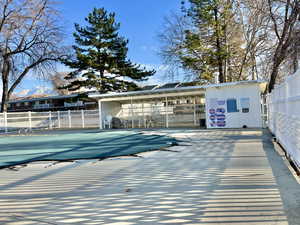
(44, 98)
(169, 85)
(148, 87)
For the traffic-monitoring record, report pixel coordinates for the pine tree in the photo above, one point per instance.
(213, 45)
(101, 57)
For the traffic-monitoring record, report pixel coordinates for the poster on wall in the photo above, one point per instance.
(216, 113)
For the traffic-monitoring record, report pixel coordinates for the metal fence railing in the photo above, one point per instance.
(18, 121)
(284, 115)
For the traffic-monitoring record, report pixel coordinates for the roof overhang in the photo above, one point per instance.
(158, 93)
(169, 92)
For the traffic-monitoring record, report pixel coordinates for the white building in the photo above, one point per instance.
(227, 105)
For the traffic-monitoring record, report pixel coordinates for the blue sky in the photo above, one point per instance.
(140, 20)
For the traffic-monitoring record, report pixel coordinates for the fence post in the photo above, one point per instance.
(29, 118)
(82, 117)
(100, 114)
(144, 119)
(166, 111)
(132, 116)
(50, 120)
(58, 118)
(5, 122)
(69, 117)
(195, 121)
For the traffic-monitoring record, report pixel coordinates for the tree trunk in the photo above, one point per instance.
(273, 77)
(6, 66)
(220, 62)
(4, 95)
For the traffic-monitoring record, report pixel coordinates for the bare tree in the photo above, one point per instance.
(29, 41)
(57, 80)
(285, 18)
(172, 37)
(253, 17)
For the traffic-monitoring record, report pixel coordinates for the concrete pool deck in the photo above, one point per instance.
(213, 177)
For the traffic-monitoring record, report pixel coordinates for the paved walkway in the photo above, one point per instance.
(214, 177)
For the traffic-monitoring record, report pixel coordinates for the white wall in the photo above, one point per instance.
(215, 96)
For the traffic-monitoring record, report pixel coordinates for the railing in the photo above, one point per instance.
(18, 121)
(284, 115)
(135, 116)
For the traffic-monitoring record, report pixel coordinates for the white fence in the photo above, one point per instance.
(284, 115)
(16, 121)
(184, 115)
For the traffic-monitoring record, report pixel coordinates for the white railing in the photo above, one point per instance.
(18, 121)
(284, 115)
(128, 116)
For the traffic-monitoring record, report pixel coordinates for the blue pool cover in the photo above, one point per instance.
(91, 144)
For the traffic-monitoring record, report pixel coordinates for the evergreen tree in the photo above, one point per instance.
(101, 57)
(214, 44)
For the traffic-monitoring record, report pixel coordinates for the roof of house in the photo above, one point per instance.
(43, 98)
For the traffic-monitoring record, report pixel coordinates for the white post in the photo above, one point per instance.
(132, 121)
(167, 115)
(58, 119)
(69, 117)
(100, 114)
(195, 119)
(5, 122)
(143, 115)
(139, 115)
(50, 120)
(82, 117)
(29, 119)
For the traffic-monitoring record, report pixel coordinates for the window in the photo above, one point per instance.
(245, 105)
(231, 105)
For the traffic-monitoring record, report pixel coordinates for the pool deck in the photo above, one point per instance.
(214, 177)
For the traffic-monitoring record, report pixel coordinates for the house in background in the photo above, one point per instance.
(51, 103)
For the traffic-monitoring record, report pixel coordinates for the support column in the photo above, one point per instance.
(100, 114)
(167, 115)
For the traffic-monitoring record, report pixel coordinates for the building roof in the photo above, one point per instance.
(43, 98)
(172, 88)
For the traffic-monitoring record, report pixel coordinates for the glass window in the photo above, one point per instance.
(245, 105)
(231, 105)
